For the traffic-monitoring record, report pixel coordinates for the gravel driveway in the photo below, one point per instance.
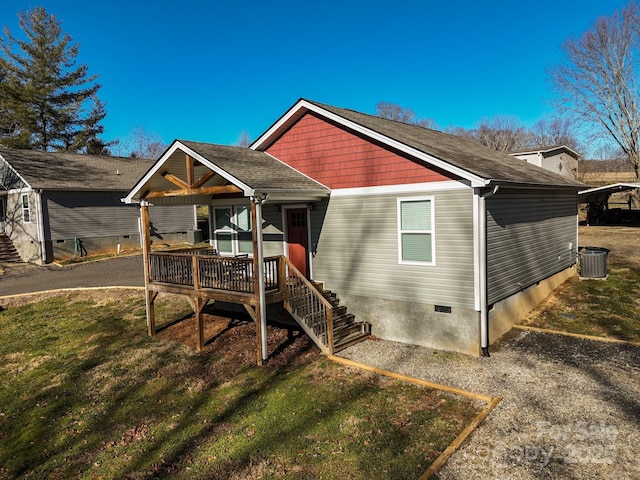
(570, 408)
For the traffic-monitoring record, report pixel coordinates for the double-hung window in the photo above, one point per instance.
(416, 231)
(232, 230)
(26, 211)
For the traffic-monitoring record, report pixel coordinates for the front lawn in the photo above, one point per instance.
(86, 394)
(605, 308)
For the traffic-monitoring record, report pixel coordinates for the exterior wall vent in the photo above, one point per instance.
(442, 309)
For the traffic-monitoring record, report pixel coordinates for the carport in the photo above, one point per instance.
(601, 210)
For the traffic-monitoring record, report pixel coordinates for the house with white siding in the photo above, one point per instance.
(560, 159)
(430, 238)
(57, 205)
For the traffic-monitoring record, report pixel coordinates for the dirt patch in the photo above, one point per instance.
(624, 242)
(232, 336)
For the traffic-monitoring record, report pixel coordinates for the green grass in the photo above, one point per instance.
(606, 308)
(86, 394)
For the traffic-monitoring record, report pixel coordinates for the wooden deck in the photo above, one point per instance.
(200, 276)
(202, 273)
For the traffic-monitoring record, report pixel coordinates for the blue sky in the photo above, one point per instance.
(209, 70)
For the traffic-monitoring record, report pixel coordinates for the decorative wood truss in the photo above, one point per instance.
(191, 186)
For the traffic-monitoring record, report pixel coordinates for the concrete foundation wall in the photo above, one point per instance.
(513, 309)
(418, 323)
(458, 331)
(29, 250)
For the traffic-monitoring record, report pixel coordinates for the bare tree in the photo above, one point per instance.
(244, 140)
(141, 144)
(503, 133)
(596, 83)
(555, 131)
(393, 111)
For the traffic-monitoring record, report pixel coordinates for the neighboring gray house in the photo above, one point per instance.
(432, 238)
(560, 159)
(57, 205)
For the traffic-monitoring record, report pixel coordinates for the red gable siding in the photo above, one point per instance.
(340, 159)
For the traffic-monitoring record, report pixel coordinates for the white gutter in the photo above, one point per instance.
(482, 265)
(40, 226)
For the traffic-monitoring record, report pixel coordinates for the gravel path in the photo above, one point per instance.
(570, 408)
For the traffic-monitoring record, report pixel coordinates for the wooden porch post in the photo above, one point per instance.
(258, 279)
(146, 248)
(198, 305)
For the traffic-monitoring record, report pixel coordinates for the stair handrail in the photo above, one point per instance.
(318, 294)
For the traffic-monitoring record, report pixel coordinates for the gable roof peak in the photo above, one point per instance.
(462, 157)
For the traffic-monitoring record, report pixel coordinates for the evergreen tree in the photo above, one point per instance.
(51, 103)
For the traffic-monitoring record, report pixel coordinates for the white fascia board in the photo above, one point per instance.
(294, 192)
(152, 171)
(286, 118)
(27, 189)
(424, 187)
(546, 150)
(196, 156)
(16, 172)
(475, 180)
(213, 167)
(615, 187)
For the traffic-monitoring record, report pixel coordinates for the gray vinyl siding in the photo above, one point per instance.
(272, 231)
(171, 219)
(355, 248)
(102, 214)
(531, 235)
(16, 227)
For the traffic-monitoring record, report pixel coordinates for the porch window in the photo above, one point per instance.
(26, 211)
(415, 231)
(232, 230)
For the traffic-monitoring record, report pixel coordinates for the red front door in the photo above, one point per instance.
(298, 238)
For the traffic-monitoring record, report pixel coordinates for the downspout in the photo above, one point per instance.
(259, 201)
(40, 229)
(484, 284)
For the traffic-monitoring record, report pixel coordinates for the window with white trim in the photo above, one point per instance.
(232, 230)
(26, 210)
(416, 231)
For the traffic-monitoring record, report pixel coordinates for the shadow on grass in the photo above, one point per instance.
(86, 393)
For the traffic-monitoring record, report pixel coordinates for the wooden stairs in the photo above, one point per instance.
(319, 313)
(8, 252)
(346, 330)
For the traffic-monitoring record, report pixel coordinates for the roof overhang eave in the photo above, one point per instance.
(603, 193)
(134, 195)
(274, 195)
(535, 185)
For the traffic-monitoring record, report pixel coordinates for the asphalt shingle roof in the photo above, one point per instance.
(70, 171)
(458, 151)
(258, 170)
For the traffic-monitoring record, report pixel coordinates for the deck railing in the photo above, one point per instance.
(234, 274)
(200, 269)
(308, 306)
